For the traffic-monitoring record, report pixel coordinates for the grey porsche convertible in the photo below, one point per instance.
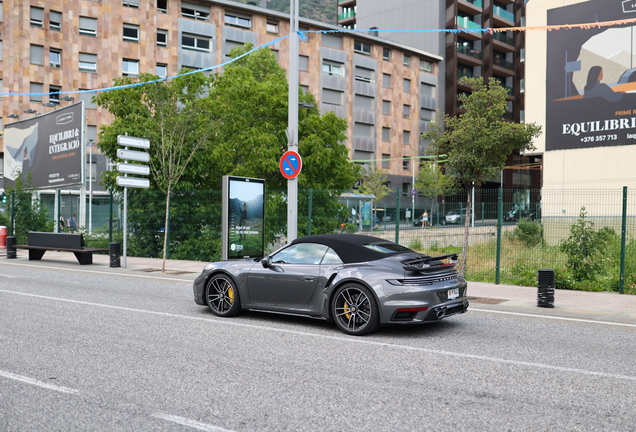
(359, 282)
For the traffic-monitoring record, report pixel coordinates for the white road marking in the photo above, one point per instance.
(348, 340)
(190, 423)
(114, 273)
(553, 317)
(35, 382)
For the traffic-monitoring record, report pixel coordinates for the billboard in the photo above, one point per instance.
(47, 146)
(243, 219)
(591, 77)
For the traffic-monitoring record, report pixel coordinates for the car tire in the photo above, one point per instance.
(355, 310)
(222, 297)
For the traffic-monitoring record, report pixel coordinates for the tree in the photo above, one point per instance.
(173, 116)
(432, 182)
(477, 143)
(374, 182)
(249, 102)
(28, 212)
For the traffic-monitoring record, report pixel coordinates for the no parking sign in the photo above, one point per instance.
(290, 164)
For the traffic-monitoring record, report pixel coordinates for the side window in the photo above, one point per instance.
(331, 257)
(302, 253)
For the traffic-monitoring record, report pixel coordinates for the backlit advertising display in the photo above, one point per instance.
(50, 147)
(243, 218)
(591, 77)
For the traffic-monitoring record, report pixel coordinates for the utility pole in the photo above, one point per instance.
(292, 121)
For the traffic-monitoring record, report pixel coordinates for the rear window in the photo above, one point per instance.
(386, 247)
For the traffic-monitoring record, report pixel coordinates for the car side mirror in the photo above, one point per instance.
(266, 262)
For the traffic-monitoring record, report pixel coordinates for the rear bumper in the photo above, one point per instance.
(435, 313)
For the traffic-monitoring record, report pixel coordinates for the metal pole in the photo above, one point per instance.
(472, 208)
(413, 190)
(292, 120)
(621, 284)
(397, 217)
(110, 218)
(12, 212)
(499, 220)
(58, 197)
(168, 232)
(90, 186)
(309, 213)
(70, 194)
(125, 219)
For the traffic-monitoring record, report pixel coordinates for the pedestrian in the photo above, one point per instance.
(425, 219)
(61, 223)
(72, 223)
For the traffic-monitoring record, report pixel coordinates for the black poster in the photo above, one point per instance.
(47, 146)
(591, 77)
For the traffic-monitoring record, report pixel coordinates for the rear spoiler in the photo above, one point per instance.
(426, 263)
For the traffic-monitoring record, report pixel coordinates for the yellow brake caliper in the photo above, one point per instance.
(346, 310)
(230, 294)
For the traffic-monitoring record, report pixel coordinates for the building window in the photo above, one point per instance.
(91, 167)
(162, 37)
(406, 137)
(428, 90)
(303, 63)
(55, 21)
(230, 45)
(234, 19)
(162, 70)
(87, 97)
(162, 6)
(386, 54)
(362, 47)
(406, 187)
(272, 27)
(332, 97)
(386, 134)
(131, 33)
(37, 17)
(386, 80)
(304, 31)
(38, 89)
(364, 74)
(55, 58)
(364, 102)
(195, 11)
(386, 107)
(407, 60)
(522, 85)
(406, 165)
(332, 68)
(193, 42)
(87, 62)
(386, 161)
(37, 54)
(407, 85)
(131, 3)
(426, 65)
(406, 111)
(304, 89)
(130, 68)
(54, 94)
(88, 26)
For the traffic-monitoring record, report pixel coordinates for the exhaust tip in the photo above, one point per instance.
(441, 312)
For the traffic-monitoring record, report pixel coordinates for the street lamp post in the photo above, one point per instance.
(90, 187)
(292, 120)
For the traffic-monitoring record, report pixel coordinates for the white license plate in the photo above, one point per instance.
(453, 293)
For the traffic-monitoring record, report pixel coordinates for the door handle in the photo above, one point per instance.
(308, 278)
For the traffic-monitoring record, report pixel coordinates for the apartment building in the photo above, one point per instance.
(387, 91)
(499, 55)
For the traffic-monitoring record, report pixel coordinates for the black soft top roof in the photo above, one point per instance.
(350, 247)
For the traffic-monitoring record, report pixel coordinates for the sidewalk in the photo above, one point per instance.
(599, 306)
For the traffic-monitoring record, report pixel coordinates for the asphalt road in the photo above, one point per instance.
(83, 350)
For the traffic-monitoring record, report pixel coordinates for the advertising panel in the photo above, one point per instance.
(591, 77)
(47, 146)
(243, 218)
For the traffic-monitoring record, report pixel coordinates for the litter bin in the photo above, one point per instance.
(114, 250)
(11, 253)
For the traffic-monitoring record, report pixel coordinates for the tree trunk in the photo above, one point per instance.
(165, 232)
(469, 207)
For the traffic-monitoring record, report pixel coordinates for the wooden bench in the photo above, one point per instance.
(40, 242)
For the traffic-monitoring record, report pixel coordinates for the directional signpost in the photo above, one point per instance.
(127, 168)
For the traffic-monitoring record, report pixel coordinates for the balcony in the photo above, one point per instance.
(504, 64)
(502, 37)
(467, 24)
(477, 3)
(511, 90)
(501, 12)
(346, 15)
(509, 115)
(464, 73)
(469, 52)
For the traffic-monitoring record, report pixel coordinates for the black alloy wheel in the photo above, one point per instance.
(355, 310)
(222, 296)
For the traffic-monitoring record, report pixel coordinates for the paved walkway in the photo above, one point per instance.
(599, 306)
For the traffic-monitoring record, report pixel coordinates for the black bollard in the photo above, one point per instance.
(114, 250)
(545, 297)
(11, 252)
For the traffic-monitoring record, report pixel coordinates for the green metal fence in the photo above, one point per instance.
(512, 233)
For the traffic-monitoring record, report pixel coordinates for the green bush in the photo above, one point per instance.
(528, 232)
(416, 244)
